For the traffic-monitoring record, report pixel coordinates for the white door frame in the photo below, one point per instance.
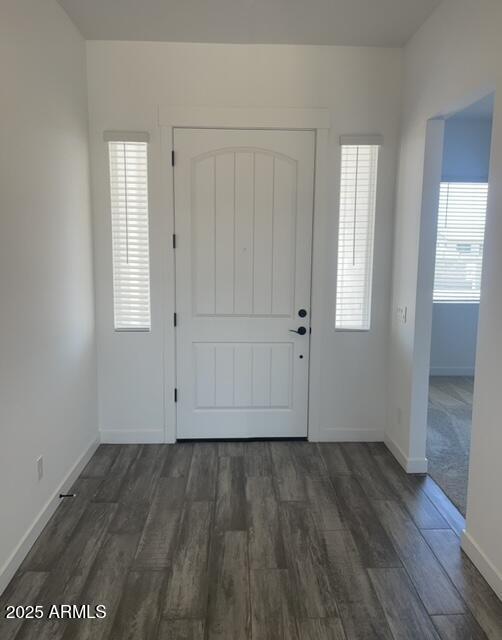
(433, 163)
(317, 120)
(415, 460)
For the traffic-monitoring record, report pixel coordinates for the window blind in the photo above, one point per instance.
(129, 210)
(355, 236)
(460, 239)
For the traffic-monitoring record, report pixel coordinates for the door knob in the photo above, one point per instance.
(300, 331)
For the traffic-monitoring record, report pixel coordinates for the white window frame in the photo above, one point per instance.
(350, 194)
(121, 321)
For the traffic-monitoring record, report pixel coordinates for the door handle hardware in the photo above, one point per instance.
(300, 331)
(302, 313)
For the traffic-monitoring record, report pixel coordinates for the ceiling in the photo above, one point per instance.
(335, 22)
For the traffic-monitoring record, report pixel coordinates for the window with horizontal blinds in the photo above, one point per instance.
(129, 210)
(460, 239)
(355, 236)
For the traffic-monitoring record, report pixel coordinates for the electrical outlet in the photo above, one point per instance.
(40, 467)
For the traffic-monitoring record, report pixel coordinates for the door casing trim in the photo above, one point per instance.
(317, 120)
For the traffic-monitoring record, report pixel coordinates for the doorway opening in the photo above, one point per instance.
(461, 214)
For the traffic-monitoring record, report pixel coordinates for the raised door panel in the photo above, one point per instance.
(243, 376)
(243, 233)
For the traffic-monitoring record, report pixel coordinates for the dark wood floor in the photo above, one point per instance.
(262, 541)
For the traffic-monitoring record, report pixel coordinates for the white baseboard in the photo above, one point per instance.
(132, 436)
(487, 569)
(18, 555)
(410, 465)
(452, 371)
(331, 434)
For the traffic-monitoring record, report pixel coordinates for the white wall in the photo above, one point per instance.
(47, 362)
(361, 87)
(454, 335)
(466, 158)
(452, 61)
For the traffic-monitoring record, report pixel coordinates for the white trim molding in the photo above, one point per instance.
(126, 136)
(422, 330)
(333, 434)
(21, 551)
(361, 139)
(281, 118)
(487, 569)
(410, 465)
(132, 436)
(244, 118)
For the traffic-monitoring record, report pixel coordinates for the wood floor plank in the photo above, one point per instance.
(272, 608)
(109, 491)
(372, 541)
(70, 572)
(231, 495)
(101, 462)
(142, 476)
(358, 626)
(458, 627)
(481, 600)
(257, 460)
(130, 518)
(421, 509)
(430, 580)
(203, 472)
(288, 477)
(266, 549)
(186, 594)
(177, 460)
(442, 503)
(307, 561)
(361, 612)
(158, 539)
(377, 448)
(170, 492)
(181, 630)
(137, 616)
(230, 449)
(104, 586)
(23, 590)
(334, 459)
(324, 505)
(155, 534)
(325, 629)
(363, 465)
(60, 527)
(405, 613)
(307, 459)
(229, 610)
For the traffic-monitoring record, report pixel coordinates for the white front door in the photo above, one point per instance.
(243, 222)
